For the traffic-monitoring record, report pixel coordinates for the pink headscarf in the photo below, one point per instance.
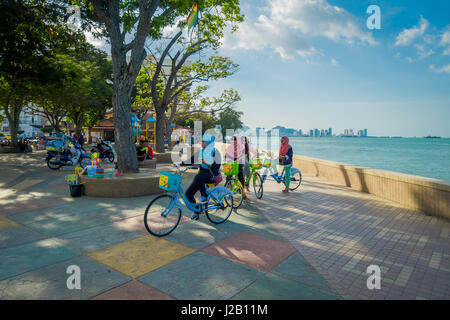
(284, 146)
(236, 149)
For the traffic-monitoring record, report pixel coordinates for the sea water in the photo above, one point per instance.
(418, 156)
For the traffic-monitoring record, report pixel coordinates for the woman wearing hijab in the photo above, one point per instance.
(286, 155)
(236, 152)
(209, 158)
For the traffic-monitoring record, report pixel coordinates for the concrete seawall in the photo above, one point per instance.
(427, 195)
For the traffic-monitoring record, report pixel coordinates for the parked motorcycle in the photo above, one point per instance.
(104, 150)
(67, 157)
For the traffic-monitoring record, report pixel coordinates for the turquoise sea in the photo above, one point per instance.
(418, 156)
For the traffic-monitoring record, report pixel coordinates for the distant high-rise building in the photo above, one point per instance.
(311, 133)
(316, 132)
(330, 132)
(365, 132)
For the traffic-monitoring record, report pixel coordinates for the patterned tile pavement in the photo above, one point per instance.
(341, 232)
(315, 243)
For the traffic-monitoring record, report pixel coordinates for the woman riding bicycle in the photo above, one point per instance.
(210, 161)
(236, 152)
(286, 155)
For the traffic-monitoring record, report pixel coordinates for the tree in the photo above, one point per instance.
(29, 34)
(181, 101)
(229, 119)
(181, 47)
(144, 18)
(177, 83)
(99, 88)
(82, 86)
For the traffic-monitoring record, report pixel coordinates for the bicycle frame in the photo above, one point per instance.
(194, 207)
(278, 178)
(249, 178)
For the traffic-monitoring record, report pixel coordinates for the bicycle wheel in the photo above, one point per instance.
(53, 164)
(219, 212)
(157, 220)
(257, 185)
(237, 190)
(296, 180)
(111, 157)
(85, 162)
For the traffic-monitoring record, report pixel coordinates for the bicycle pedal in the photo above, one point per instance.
(195, 216)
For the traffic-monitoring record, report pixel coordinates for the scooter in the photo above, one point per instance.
(104, 150)
(67, 157)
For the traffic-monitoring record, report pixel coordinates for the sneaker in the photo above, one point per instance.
(195, 216)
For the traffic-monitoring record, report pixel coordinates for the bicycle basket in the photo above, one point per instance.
(231, 168)
(268, 163)
(256, 164)
(169, 181)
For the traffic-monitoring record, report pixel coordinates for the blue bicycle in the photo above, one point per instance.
(270, 165)
(163, 214)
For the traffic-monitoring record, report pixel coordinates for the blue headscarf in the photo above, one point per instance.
(208, 151)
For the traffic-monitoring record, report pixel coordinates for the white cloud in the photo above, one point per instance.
(290, 25)
(445, 42)
(99, 43)
(407, 36)
(445, 39)
(443, 69)
(335, 63)
(422, 51)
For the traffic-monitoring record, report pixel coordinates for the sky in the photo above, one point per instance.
(308, 64)
(314, 64)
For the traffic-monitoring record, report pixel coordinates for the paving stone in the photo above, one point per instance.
(65, 223)
(6, 223)
(201, 276)
(18, 235)
(197, 234)
(296, 268)
(50, 282)
(26, 257)
(273, 287)
(141, 255)
(97, 238)
(252, 250)
(133, 290)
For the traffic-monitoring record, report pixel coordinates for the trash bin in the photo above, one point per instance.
(75, 190)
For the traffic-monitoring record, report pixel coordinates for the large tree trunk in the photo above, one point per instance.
(159, 131)
(123, 133)
(14, 127)
(13, 115)
(125, 73)
(89, 134)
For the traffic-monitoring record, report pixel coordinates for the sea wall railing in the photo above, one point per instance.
(430, 196)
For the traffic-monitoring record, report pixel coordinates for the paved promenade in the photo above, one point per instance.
(315, 243)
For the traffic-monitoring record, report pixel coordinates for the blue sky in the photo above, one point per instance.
(310, 64)
(314, 64)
